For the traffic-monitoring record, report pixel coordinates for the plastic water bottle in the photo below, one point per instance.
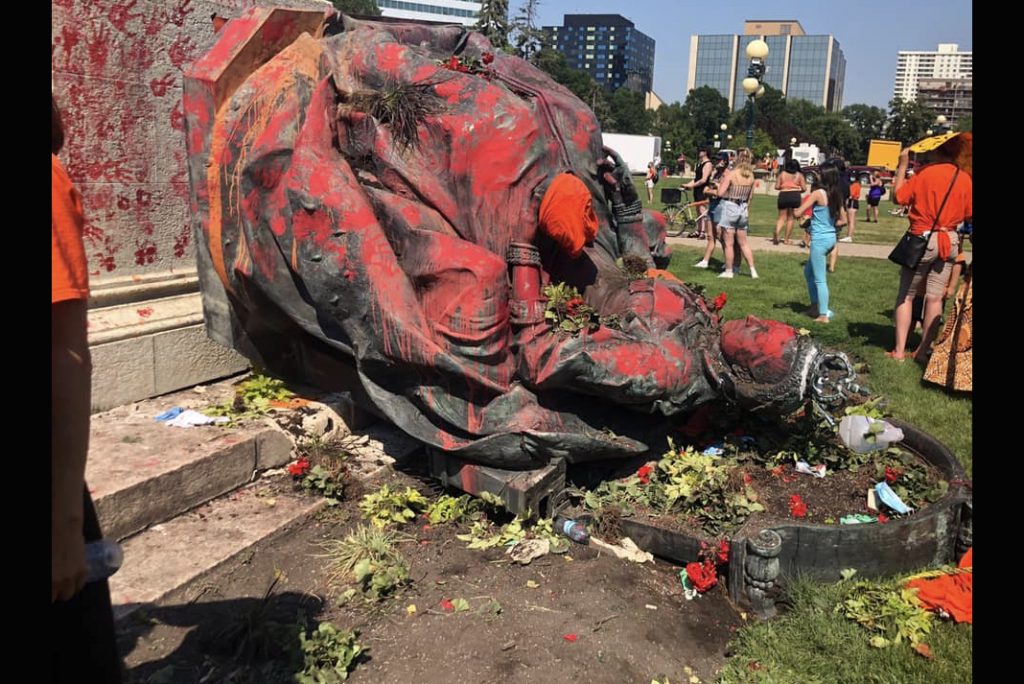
(574, 530)
(102, 559)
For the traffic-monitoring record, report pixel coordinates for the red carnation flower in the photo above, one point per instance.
(447, 606)
(573, 305)
(797, 507)
(723, 552)
(571, 638)
(748, 479)
(487, 58)
(453, 63)
(300, 467)
(720, 301)
(892, 474)
(645, 473)
(882, 518)
(702, 577)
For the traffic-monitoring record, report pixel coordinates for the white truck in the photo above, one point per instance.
(807, 155)
(636, 150)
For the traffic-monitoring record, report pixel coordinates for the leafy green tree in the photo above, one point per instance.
(832, 133)
(365, 8)
(669, 122)
(628, 112)
(867, 119)
(579, 82)
(706, 110)
(908, 121)
(965, 122)
(493, 22)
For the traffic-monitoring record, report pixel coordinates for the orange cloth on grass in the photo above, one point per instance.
(952, 593)
(68, 267)
(567, 214)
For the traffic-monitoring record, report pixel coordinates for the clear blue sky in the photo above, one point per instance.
(870, 33)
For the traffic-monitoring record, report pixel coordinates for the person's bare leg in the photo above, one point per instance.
(932, 314)
(729, 252)
(789, 225)
(748, 254)
(852, 218)
(779, 223)
(709, 251)
(832, 258)
(904, 312)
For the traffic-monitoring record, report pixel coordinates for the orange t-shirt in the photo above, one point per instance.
(69, 267)
(855, 190)
(924, 193)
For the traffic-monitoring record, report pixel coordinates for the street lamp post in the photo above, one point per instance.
(940, 123)
(757, 51)
(723, 128)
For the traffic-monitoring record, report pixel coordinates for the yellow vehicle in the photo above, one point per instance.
(884, 153)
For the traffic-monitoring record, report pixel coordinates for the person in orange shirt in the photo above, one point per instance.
(84, 648)
(924, 194)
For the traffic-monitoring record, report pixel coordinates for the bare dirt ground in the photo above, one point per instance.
(631, 623)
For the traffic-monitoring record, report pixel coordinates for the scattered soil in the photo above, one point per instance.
(605, 602)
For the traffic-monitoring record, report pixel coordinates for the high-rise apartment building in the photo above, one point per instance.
(946, 63)
(803, 67)
(608, 47)
(446, 11)
(953, 98)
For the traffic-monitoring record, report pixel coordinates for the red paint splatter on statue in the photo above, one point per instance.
(98, 44)
(178, 15)
(123, 203)
(160, 86)
(182, 240)
(69, 38)
(145, 254)
(181, 51)
(145, 312)
(120, 14)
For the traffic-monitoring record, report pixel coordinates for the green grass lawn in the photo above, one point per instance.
(764, 212)
(812, 643)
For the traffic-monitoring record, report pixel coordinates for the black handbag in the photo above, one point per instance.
(909, 251)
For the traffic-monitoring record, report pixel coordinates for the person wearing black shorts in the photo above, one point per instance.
(791, 185)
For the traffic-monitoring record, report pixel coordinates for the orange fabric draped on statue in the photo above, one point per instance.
(567, 214)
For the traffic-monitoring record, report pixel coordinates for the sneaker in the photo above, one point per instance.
(701, 264)
(753, 273)
(726, 274)
(846, 239)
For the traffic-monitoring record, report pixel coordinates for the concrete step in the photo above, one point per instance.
(164, 561)
(142, 472)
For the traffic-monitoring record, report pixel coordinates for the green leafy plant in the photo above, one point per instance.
(384, 506)
(872, 408)
(889, 611)
(567, 311)
(484, 534)
(369, 557)
(328, 654)
(685, 483)
(253, 397)
(452, 509)
(914, 483)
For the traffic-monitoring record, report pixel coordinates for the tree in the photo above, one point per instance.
(867, 119)
(669, 122)
(365, 8)
(526, 37)
(965, 122)
(582, 85)
(908, 121)
(832, 133)
(706, 110)
(493, 22)
(628, 112)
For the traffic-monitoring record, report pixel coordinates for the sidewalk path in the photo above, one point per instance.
(763, 244)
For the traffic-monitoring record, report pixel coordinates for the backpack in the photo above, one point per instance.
(876, 192)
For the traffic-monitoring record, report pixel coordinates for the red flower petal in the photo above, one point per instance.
(487, 58)
(447, 606)
(723, 552)
(645, 473)
(797, 507)
(882, 518)
(720, 301)
(571, 638)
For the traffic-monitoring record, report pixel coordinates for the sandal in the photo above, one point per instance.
(892, 355)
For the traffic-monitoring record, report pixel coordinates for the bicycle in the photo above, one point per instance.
(680, 213)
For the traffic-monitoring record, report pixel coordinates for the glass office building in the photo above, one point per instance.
(608, 47)
(803, 67)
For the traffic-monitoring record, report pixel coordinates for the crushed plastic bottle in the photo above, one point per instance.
(102, 559)
(573, 529)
